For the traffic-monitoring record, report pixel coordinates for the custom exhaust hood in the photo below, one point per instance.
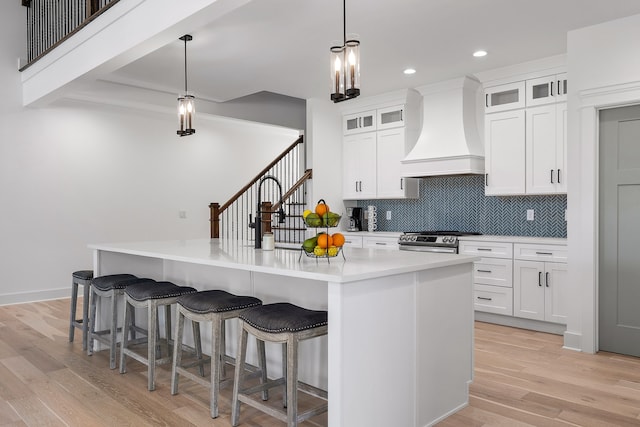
(449, 142)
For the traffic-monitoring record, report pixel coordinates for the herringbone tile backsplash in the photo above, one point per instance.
(459, 203)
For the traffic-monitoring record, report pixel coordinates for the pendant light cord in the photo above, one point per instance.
(344, 22)
(185, 66)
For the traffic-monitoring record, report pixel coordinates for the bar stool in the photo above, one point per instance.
(281, 323)
(80, 277)
(150, 296)
(109, 286)
(215, 306)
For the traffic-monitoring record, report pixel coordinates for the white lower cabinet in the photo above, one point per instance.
(523, 280)
(352, 241)
(540, 289)
(493, 299)
(492, 276)
(380, 242)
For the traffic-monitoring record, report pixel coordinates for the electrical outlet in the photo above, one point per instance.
(388, 215)
(182, 214)
(530, 214)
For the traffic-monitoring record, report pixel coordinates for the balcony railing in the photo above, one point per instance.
(50, 22)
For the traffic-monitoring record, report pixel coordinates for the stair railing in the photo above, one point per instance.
(231, 219)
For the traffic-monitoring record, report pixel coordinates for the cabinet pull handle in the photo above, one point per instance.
(544, 253)
(360, 185)
(558, 176)
(486, 179)
(485, 298)
(540, 278)
(551, 88)
(486, 100)
(401, 112)
(484, 271)
(356, 186)
(560, 91)
(401, 187)
(552, 176)
(547, 279)
(485, 249)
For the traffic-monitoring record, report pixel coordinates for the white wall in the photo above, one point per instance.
(604, 70)
(77, 172)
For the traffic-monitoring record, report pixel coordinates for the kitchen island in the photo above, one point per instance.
(400, 345)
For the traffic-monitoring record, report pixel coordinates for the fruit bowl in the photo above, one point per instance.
(327, 254)
(327, 220)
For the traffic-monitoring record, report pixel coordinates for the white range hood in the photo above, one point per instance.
(449, 143)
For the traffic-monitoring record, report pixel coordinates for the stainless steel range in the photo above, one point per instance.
(432, 241)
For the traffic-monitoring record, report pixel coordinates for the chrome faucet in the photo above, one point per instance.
(257, 224)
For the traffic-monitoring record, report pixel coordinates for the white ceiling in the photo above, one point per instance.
(282, 46)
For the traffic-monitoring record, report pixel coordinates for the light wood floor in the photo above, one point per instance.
(521, 378)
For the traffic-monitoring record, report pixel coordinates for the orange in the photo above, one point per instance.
(338, 239)
(322, 208)
(324, 241)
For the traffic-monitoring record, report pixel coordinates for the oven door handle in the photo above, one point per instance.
(435, 249)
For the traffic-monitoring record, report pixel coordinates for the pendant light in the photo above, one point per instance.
(186, 102)
(345, 65)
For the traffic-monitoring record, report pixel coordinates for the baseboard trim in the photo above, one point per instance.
(572, 341)
(34, 296)
(517, 322)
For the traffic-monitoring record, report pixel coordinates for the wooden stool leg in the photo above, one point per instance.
(262, 362)
(114, 330)
(74, 303)
(216, 355)
(197, 343)
(223, 346)
(239, 374)
(177, 350)
(85, 315)
(292, 382)
(285, 374)
(152, 310)
(92, 322)
(125, 337)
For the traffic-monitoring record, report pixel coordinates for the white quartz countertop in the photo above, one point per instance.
(515, 239)
(360, 264)
(395, 234)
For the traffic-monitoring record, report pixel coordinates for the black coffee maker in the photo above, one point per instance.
(356, 219)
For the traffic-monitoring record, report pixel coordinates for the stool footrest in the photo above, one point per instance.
(281, 414)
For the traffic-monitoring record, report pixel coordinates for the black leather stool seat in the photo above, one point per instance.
(112, 281)
(283, 317)
(83, 274)
(216, 301)
(156, 290)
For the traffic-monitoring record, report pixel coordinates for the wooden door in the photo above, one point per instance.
(619, 231)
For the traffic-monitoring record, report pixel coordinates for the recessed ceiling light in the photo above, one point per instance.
(480, 53)
(409, 71)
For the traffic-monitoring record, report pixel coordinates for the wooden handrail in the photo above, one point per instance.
(308, 174)
(259, 175)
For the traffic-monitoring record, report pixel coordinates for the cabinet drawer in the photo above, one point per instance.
(487, 249)
(533, 252)
(493, 299)
(493, 271)
(380, 242)
(353, 241)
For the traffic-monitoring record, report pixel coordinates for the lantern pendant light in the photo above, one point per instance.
(186, 102)
(345, 65)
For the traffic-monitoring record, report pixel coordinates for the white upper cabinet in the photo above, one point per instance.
(359, 157)
(390, 117)
(546, 147)
(547, 90)
(525, 146)
(358, 123)
(390, 151)
(504, 97)
(504, 156)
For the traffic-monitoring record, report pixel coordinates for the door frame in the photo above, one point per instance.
(583, 212)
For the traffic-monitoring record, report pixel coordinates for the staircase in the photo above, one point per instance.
(231, 219)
